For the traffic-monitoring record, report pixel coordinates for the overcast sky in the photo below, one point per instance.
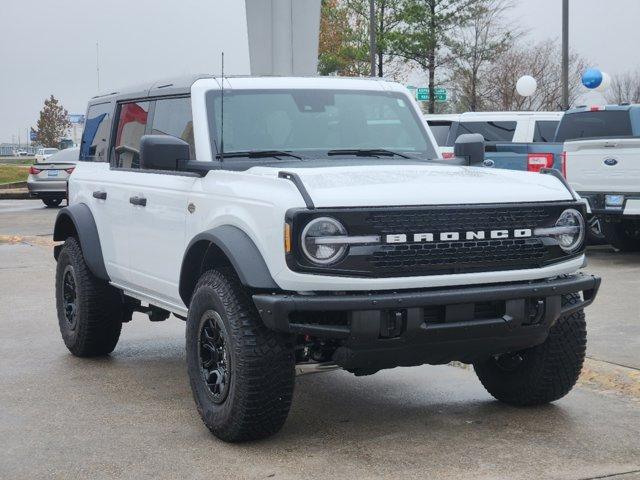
(49, 47)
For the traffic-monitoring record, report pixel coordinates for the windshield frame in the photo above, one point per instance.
(212, 95)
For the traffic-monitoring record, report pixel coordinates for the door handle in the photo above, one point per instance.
(100, 195)
(141, 201)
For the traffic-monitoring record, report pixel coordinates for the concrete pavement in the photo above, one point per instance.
(131, 415)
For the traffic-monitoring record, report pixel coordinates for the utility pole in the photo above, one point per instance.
(565, 54)
(372, 36)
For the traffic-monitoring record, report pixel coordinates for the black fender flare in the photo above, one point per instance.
(77, 220)
(239, 250)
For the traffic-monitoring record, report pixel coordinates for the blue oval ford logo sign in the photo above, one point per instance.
(611, 162)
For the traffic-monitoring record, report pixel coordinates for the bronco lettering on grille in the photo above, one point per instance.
(458, 236)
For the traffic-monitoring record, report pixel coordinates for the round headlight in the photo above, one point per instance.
(317, 244)
(570, 230)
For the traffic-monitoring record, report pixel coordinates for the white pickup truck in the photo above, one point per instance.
(602, 165)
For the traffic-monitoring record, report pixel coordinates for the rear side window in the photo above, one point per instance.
(132, 125)
(491, 131)
(95, 138)
(173, 117)
(440, 131)
(545, 131)
(600, 124)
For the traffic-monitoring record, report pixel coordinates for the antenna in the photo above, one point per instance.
(222, 113)
(98, 64)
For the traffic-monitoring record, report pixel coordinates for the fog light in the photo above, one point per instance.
(614, 200)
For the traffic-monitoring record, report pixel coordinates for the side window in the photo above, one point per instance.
(491, 131)
(132, 125)
(94, 144)
(173, 117)
(545, 131)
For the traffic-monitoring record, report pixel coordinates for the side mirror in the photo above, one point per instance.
(162, 152)
(470, 147)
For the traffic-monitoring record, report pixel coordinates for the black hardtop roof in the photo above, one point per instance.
(175, 86)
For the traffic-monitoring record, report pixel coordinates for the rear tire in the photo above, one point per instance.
(541, 374)
(90, 311)
(241, 373)
(622, 235)
(52, 202)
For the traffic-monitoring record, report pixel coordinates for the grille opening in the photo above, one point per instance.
(320, 318)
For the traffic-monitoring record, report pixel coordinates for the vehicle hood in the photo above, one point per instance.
(398, 185)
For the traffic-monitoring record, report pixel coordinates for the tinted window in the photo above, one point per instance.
(601, 124)
(440, 131)
(132, 125)
(173, 117)
(491, 131)
(94, 145)
(545, 130)
(318, 120)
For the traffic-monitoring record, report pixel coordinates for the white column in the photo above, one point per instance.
(283, 36)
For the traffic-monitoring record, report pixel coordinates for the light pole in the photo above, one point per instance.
(565, 54)
(372, 36)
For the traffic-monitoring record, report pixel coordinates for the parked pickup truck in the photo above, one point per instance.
(495, 127)
(602, 166)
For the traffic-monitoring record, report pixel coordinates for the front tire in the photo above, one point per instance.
(241, 373)
(90, 311)
(541, 374)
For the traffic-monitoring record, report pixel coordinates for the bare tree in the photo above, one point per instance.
(625, 88)
(542, 61)
(475, 46)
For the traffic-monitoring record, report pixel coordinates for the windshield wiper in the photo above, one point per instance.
(367, 152)
(259, 154)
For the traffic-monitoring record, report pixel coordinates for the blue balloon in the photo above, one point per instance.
(592, 78)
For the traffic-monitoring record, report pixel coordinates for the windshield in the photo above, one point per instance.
(318, 120)
(600, 124)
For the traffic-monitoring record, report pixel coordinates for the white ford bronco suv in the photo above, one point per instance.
(299, 221)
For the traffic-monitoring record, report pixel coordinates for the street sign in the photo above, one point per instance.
(422, 94)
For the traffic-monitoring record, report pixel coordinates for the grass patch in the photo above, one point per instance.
(13, 173)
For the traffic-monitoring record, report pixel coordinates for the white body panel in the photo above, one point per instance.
(588, 172)
(143, 248)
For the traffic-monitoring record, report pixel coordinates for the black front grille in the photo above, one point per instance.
(413, 258)
(455, 219)
(455, 256)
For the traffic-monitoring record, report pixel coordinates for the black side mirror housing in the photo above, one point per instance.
(470, 147)
(162, 152)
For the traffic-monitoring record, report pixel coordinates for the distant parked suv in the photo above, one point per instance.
(601, 161)
(304, 223)
(43, 153)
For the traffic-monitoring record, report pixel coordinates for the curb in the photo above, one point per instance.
(11, 186)
(14, 195)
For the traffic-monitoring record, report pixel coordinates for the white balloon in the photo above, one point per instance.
(526, 86)
(606, 83)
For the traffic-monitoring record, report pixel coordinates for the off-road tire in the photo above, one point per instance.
(616, 235)
(548, 371)
(262, 363)
(98, 306)
(52, 202)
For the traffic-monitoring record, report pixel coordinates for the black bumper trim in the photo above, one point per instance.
(275, 308)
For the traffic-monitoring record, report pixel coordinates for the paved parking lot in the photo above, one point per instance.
(131, 415)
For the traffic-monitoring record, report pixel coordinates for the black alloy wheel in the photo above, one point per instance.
(214, 355)
(69, 297)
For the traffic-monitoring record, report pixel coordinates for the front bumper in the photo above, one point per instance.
(383, 330)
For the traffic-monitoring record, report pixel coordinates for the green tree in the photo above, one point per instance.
(341, 48)
(426, 30)
(52, 124)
